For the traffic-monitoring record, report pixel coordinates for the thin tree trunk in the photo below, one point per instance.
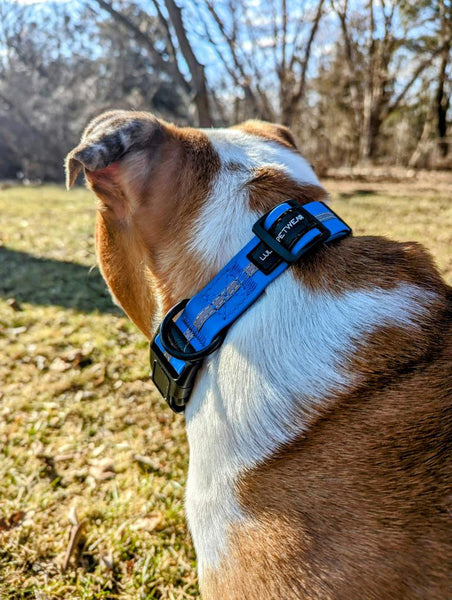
(370, 127)
(198, 77)
(289, 106)
(442, 105)
(369, 137)
(424, 143)
(441, 98)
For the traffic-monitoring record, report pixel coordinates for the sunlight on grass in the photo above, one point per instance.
(82, 427)
(83, 434)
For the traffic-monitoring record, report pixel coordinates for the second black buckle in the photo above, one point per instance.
(282, 252)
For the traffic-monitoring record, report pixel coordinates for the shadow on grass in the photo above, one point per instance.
(44, 281)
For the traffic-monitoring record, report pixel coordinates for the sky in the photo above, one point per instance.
(37, 1)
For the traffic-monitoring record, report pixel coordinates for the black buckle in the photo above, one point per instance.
(176, 387)
(310, 222)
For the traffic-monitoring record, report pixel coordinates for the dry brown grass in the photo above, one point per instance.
(83, 435)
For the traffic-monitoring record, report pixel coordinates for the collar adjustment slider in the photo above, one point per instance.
(285, 239)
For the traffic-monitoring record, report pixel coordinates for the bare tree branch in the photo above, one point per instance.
(171, 45)
(244, 79)
(421, 67)
(141, 37)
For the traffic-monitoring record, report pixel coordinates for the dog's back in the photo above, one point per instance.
(361, 507)
(320, 433)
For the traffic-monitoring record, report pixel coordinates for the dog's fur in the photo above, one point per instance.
(320, 433)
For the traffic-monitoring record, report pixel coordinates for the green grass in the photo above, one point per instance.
(78, 408)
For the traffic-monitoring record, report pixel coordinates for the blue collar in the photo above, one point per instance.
(282, 237)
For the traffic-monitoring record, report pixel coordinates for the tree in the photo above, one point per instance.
(442, 97)
(373, 58)
(51, 86)
(263, 48)
(168, 58)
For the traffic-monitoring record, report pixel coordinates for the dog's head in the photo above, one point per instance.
(177, 203)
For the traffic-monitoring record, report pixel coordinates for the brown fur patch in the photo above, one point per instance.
(180, 188)
(269, 131)
(367, 262)
(124, 264)
(361, 507)
(269, 187)
(149, 199)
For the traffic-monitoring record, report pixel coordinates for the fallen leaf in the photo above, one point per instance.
(41, 362)
(72, 516)
(16, 330)
(14, 520)
(102, 469)
(107, 561)
(147, 523)
(147, 461)
(74, 539)
(97, 451)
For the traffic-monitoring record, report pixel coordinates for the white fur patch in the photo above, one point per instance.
(286, 355)
(251, 152)
(226, 220)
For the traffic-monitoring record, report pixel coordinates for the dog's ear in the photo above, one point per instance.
(271, 131)
(110, 138)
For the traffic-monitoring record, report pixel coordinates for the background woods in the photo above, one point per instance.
(358, 82)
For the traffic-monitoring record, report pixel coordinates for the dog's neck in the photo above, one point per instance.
(269, 382)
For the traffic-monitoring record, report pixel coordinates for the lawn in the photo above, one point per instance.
(92, 462)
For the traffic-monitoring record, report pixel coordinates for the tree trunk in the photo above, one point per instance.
(441, 98)
(370, 134)
(425, 142)
(198, 78)
(442, 105)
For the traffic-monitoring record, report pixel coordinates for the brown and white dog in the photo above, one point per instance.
(321, 431)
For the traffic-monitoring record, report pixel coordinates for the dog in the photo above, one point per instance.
(320, 430)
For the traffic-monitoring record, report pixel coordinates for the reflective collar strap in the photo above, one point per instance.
(239, 284)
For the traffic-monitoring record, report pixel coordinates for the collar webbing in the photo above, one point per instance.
(282, 236)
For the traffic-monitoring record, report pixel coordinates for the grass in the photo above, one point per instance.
(87, 447)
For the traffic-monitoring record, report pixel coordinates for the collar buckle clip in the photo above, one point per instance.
(169, 342)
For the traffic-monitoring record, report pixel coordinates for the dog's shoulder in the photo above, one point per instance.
(389, 439)
(363, 262)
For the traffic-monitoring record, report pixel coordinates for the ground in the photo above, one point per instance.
(92, 462)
